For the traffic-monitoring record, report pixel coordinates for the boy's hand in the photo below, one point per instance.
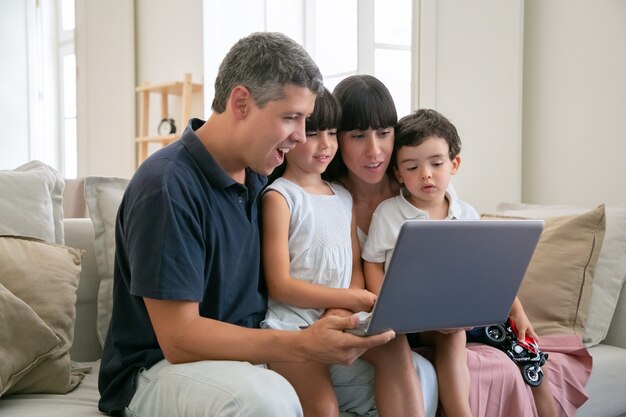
(325, 341)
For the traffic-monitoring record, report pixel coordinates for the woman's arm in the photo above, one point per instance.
(284, 288)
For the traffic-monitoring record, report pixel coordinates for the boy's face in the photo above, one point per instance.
(276, 128)
(425, 170)
(313, 156)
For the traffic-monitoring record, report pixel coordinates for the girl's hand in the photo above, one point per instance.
(361, 300)
(339, 312)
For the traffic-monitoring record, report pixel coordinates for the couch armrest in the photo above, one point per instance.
(617, 332)
(79, 234)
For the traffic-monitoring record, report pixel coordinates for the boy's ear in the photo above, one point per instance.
(456, 162)
(240, 101)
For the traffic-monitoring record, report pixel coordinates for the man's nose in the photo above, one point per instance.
(299, 134)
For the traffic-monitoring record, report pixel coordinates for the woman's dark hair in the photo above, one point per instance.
(326, 115)
(365, 103)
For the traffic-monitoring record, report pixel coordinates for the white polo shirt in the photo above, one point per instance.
(392, 213)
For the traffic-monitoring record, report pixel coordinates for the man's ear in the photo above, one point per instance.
(239, 101)
(456, 162)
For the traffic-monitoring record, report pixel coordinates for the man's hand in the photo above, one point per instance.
(327, 342)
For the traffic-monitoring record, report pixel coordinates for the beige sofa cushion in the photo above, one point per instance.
(610, 273)
(32, 202)
(556, 289)
(103, 196)
(44, 276)
(25, 339)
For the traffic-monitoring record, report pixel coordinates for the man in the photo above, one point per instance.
(188, 292)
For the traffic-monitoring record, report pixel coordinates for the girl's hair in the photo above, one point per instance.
(365, 103)
(326, 115)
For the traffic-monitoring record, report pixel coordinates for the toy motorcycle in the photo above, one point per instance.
(525, 353)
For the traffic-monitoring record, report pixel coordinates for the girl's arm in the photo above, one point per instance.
(524, 327)
(281, 286)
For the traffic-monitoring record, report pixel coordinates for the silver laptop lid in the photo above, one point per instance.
(454, 273)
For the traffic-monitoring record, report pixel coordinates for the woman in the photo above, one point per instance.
(365, 138)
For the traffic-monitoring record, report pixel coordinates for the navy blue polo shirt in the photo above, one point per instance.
(185, 231)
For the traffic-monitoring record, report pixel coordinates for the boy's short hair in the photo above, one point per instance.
(264, 62)
(413, 129)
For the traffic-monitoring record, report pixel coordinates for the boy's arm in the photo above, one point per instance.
(374, 274)
(284, 288)
(524, 326)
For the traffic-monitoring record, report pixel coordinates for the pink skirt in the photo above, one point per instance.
(498, 390)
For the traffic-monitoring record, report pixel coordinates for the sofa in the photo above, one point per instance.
(606, 387)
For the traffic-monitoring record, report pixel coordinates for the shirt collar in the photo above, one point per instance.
(209, 166)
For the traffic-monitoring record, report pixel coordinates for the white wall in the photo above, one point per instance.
(105, 56)
(574, 124)
(169, 43)
(470, 69)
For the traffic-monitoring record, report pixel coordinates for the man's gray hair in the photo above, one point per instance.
(264, 62)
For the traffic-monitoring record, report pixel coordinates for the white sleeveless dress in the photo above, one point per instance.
(320, 248)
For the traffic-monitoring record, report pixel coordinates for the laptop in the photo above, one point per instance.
(446, 274)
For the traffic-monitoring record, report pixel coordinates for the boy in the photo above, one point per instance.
(426, 155)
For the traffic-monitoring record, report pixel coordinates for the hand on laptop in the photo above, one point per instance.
(327, 342)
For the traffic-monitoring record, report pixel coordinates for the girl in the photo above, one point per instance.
(312, 264)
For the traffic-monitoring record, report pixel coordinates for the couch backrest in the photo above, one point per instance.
(79, 234)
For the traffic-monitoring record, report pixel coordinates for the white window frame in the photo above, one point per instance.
(47, 45)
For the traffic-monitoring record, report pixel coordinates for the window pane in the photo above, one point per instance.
(67, 15)
(336, 36)
(71, 151)
(275, 12)
(393, 22)
(331, 82)
(69, 86)
(393, 68)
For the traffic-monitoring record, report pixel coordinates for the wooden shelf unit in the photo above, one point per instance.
(185, 89)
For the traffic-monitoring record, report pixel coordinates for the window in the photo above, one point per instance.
(67, 90)
(52, 84)
(364, 37)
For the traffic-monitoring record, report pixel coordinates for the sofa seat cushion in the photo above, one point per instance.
(82, 402)
(606, 383)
